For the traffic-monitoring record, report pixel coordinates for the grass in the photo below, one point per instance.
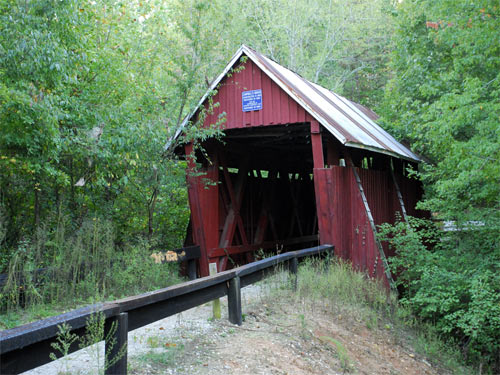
(345, 361)
(428, 343)
(162, 358)
(163, 355)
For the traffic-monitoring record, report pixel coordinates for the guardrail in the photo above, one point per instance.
(29, 346)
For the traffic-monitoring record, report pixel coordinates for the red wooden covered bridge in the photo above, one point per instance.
(298, 166)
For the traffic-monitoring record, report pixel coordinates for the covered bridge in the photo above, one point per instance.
(298, 166)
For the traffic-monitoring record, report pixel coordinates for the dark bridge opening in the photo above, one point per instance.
(257, 193)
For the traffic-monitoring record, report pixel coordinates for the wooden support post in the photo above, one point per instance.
(216, 302)
(322, 210)
(234, 301)
(317, 146)
(115, 347)
(332, 153)
(191, 269)
(294, 268)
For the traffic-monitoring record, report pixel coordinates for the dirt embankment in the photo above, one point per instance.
(283, 336)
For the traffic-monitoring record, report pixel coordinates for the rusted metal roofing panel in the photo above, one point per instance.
(352, 124)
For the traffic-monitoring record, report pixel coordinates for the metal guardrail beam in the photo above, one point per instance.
(28, 346)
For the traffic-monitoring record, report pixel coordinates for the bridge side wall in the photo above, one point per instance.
(342, 217)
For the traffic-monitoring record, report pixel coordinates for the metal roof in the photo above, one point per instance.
(351, 123)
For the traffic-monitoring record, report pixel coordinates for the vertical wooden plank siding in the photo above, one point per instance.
(209, 197)
(342, 218)
(324, 205)
(204, 205)
(196, 215)
(277, 107)
(376, 203)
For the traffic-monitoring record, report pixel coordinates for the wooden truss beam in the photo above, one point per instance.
(233, 219)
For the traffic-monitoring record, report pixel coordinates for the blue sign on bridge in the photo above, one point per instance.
(251, 100)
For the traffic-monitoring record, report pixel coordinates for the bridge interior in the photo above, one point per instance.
(258, 193)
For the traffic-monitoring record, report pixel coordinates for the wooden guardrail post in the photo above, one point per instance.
(294, 268)
(115, 347)
(234, 301)
(191, 269)
(212, 267)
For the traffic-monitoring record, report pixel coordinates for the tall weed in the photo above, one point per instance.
(81, 267)
(339, 284)
(3, 234)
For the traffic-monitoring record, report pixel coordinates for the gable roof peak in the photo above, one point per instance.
(350, 123)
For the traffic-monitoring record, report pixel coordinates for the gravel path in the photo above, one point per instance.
(195, 322)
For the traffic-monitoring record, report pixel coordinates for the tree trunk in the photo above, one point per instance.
(151, 210)
(152, 203)
(36, 208)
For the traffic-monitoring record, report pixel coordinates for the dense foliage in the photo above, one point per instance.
(84, 268)
(444, 99)
(89, 92)
(451, 281)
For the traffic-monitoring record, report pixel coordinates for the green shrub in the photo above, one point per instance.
(452, 280)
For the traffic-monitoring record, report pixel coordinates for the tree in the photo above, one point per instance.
(444, 100)
(86, 99)
(342, 46)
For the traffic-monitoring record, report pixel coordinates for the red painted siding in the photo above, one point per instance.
(204, 205)
(277, 107)
(342, 217)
